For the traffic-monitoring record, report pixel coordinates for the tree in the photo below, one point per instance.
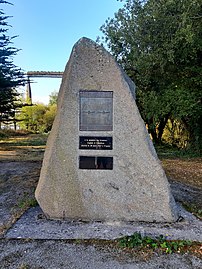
(49, 117)
(53, 97)
(158, 43)
(10, 75)
(51, 111)
(39, 117)
(31, 118)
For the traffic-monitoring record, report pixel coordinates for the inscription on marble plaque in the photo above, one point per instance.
(102, 163)
(96, 111)
(95, 142)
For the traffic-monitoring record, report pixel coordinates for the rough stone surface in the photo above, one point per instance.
(137, 188)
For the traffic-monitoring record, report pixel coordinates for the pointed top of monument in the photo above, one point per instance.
(87, 42)
(95, 57)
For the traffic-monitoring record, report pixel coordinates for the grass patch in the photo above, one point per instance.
(136, 246)
(160, 244)
(23, 148)
(26, 203)
(166, 151)
(6, 133)
(28, 140)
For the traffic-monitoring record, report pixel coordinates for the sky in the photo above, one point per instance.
(47, 31)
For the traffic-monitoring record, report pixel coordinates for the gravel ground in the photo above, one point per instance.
(18, 181)
(55, 254)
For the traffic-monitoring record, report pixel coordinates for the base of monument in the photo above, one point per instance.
(34, 225)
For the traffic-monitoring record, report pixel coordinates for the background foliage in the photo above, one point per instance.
(159, 44)
(39, 117)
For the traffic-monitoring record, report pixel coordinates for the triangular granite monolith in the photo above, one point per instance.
(100, 163)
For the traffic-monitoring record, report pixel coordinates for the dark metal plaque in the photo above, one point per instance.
(95, 142)
(98, 163)
(96, 111)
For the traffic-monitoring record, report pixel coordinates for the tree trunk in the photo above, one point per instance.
(15, 126)
(152, 130)
(161, 127)
(195, 133)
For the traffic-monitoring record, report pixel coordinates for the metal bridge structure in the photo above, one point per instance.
(46, 74)
(39, 74)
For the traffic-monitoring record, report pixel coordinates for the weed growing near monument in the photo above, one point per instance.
(27, 203)
(136, 240)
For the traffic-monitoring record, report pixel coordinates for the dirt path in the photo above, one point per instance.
(187, 171)
(18, 181)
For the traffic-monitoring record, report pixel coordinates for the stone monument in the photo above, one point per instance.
(100, 163)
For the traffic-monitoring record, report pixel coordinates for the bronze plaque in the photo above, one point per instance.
(96, 111)
(95, 142)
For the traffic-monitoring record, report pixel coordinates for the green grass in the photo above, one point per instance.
(136, 240)
(28, 140)
(6, 133)
(24, 147)
(166, 151)
(27, 203)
